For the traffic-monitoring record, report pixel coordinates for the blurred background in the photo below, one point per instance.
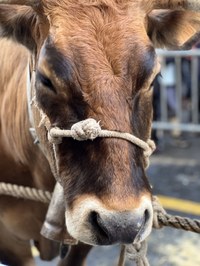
(174, 171)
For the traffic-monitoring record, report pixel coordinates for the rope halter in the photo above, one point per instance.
(90, 129)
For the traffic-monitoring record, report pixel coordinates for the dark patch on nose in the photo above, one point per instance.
(93, 174)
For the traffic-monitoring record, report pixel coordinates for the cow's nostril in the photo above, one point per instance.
(96, 222)
(144, 223)
(146, 216)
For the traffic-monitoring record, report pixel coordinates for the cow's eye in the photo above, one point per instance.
(45, 81)
(155, 79)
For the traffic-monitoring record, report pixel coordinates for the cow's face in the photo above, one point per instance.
(92, 65)
(95, 60)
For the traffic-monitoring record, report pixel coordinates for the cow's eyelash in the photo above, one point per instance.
(45, 81)
(157, 76)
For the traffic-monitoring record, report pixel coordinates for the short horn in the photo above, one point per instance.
(33, 3)
(193, 5)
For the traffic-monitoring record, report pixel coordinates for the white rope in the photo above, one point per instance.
(90, 129)
(134, 252)
(137, 253)
(25, 192)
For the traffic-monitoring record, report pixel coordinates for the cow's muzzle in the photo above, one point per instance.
(92, 223)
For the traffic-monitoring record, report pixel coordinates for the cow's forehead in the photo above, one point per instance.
(81, 10)
(104, 43)
(76, 22)
(111, 3)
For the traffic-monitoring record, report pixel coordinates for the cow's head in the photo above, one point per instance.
(96, 59)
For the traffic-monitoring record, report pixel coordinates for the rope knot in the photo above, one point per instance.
(90, 129)
(137, 253)
(86, 129)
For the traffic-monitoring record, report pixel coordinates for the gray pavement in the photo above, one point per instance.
(175, 171)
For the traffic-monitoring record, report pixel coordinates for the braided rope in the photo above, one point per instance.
(179, 223)
(25, 192)
(161, 218)
(134, 252)
(137, 253)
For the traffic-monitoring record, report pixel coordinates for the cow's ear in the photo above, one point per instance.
(173, 29)
(21, 23)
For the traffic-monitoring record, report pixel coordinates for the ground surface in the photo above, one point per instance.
(174, 172)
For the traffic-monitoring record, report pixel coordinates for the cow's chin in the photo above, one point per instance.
(80, 225)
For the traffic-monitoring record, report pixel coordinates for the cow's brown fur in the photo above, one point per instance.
(22, 219)
(100, 60)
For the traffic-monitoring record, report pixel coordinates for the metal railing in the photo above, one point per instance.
(192, 100)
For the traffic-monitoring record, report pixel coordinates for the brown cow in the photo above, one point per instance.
(93, 58)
